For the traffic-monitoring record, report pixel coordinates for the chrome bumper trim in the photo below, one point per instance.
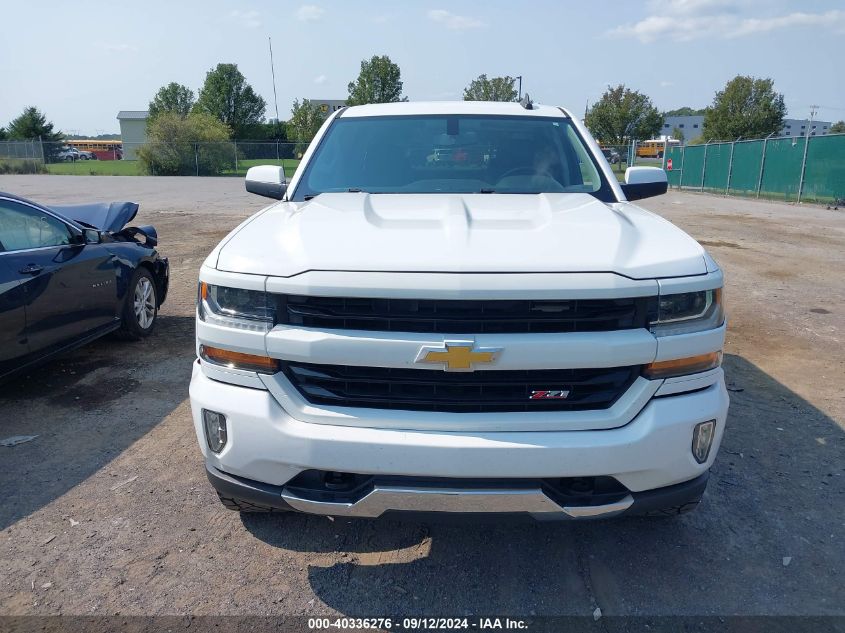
(472, 500)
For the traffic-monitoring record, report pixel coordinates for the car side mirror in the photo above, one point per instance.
(91, 236)
(644, 182)
(266, 180)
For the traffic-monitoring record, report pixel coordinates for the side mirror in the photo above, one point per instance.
(91, 236)
(644, 182)
(267, 181)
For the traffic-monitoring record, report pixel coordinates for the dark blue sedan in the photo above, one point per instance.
(71, 274)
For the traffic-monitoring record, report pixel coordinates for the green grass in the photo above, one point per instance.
(290, 165)
(133, 167)
(96, 168)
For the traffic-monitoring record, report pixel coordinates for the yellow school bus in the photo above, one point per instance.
(655, 147)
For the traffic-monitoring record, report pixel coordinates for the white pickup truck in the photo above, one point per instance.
(455, 307)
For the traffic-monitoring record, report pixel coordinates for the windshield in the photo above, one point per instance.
(452, 154)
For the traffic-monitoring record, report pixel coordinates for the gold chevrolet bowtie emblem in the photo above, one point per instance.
(457, 355)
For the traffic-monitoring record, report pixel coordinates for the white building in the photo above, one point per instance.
(133, 131)
(692, 126)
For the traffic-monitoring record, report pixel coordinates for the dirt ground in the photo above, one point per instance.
(108, 510)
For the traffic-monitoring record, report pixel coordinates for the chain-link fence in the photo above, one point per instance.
(228, 158)
(793, 169)
(21, 157)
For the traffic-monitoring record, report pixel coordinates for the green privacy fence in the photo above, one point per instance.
(790, 168)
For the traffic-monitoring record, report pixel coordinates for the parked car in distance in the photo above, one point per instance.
(610, 154)
(71, 274)
(506, 334)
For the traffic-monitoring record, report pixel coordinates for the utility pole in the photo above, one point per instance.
(273, 72)
(813, 111)
(520, 87)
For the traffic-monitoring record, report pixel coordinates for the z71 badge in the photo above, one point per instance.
(549, 395)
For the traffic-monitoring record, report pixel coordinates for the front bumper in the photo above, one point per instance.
(266, 445)
(528, 497)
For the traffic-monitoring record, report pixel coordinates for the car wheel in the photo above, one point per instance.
(240, 505)
(140, 307)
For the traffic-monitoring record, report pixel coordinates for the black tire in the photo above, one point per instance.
(239, 505)
(133, 325)
(674, 511)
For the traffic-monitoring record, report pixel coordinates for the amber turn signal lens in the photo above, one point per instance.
(683, 366)
(239, 360)
(203, 290)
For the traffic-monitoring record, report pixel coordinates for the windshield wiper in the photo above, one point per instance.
(355, 190)
(487, 191)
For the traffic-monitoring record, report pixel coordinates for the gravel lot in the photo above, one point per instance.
(108, 510)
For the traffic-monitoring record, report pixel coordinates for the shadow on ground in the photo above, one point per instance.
(87, 407)
(766, 540)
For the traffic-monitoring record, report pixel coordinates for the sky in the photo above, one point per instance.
(81, 62)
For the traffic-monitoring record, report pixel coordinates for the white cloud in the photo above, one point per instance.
(688, 20)
(320, 79)
(249, 19)
(310, 13)
(118, 48)
(454, 22)
(666, 84)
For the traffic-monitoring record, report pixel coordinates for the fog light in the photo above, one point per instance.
(215, 430)
(702, 438)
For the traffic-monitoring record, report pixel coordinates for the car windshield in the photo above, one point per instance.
(452, 154)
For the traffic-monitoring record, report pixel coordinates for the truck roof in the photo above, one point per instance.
(410, 108)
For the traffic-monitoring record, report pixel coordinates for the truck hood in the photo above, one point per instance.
(469, 233)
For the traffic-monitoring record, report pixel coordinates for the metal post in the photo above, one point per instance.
(665, 147)
(762, 163)
(731, 165)
(235, 143)
(683, 158)
(704, 166)
(197, 157)
(813, 110)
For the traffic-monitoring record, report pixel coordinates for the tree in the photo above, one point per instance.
(227, 96)
(747, 107)
(32, 124)
(378, 82)
(678, 133)
(306, 119)
(838, 128)
(493, 89)
(3, 134)
(172, 98)
(685, 111)
(623, 114)
(185, 146)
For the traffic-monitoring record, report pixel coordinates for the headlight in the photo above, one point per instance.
(687, 312)
(235, 307)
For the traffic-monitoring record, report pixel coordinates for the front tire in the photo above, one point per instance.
(140, 308)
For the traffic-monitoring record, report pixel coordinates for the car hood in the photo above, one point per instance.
(106, 216)
(476, 233)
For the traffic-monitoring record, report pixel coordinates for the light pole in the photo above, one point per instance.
(520, 87)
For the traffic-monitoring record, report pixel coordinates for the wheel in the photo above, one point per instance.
(140, 308)
(674, 511)
(239, 505)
